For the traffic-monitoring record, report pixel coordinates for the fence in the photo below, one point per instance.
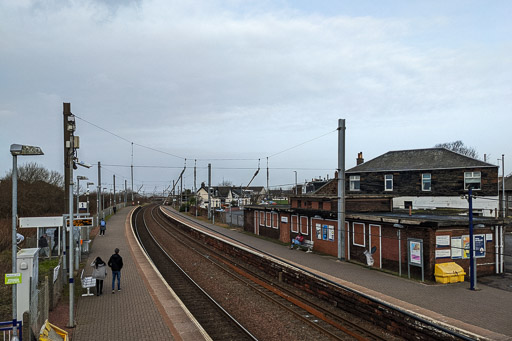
(6, 330)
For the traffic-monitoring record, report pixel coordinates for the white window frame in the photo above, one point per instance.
(354, 234)
(385, 182)
(276, 216)
(353, 180)
(423, 180)
(471, 175)
(296, 230)
(268, 219)
(307, 225)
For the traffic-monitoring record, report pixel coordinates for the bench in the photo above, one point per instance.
(87, 283)
(306, 245)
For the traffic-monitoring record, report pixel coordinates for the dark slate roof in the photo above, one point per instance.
(508, 183)
(418, 159)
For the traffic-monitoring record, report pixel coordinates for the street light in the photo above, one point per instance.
(295, 182)
(399, 227)
(17, 149)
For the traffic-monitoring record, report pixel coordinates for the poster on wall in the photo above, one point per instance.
(465, 247)
(443, 241)
(444, 253)
(318, 229)
(324, 232)
(456, 247)
(331, 233)
(284, 219)
(415, 252)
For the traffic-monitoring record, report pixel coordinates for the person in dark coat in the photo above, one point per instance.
(116, 264)
(43, 244)
(99, 272)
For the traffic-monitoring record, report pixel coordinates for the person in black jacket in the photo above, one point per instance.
(116, 264)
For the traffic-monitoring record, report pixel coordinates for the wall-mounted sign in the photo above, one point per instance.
(444, 253)
(456, 247)
(14, 278)
(442, 241)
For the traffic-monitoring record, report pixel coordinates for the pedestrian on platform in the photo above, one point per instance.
(99, 272)
(297, 241)
(116, 264)
(55, 238)
(103, 227)
(43, 244)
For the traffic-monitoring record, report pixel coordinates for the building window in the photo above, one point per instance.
(472, 179)
(355, 182)
(426, 182)
(388, 182)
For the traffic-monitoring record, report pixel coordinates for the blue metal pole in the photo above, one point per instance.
(472, 275)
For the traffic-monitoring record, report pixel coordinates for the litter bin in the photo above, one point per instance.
(449, 273)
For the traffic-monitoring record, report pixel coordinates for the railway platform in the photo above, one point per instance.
(144, 309)
(485, 312)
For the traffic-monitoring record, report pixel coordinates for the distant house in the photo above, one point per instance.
(427, 179)
(227, 195)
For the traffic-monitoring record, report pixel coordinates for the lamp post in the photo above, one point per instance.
(17, 149)
(295, 182)
(78, 178)
(103, 202)
(399, 227)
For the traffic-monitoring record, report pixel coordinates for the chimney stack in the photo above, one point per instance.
(360, 159)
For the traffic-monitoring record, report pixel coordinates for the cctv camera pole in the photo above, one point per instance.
(71, 323)
(341, 189)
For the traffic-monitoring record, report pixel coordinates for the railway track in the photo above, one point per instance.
(218, 323)
(329, 323)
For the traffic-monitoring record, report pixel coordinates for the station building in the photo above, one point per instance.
(415, 241)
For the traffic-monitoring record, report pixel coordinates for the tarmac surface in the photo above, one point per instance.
(144, 309)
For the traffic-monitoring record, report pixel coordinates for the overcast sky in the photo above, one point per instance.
(247, 80)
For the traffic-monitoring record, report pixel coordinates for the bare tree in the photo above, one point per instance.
(226, 183)
(459, 147)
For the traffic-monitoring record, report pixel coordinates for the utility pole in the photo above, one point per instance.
(70, 123)
(504, 209)
(114, 190)
(195, 186)
(341, 189)
(268, 189)
(125, 192)
(209, 190)
(132, 172)
(100, 207)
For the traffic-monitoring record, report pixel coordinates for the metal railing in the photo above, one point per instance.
(6, 330)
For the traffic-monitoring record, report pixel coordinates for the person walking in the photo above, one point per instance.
(116, 264)
(99, 272)
(103, 227)
(43, 244)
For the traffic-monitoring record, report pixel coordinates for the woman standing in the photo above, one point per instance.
(99, 272)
